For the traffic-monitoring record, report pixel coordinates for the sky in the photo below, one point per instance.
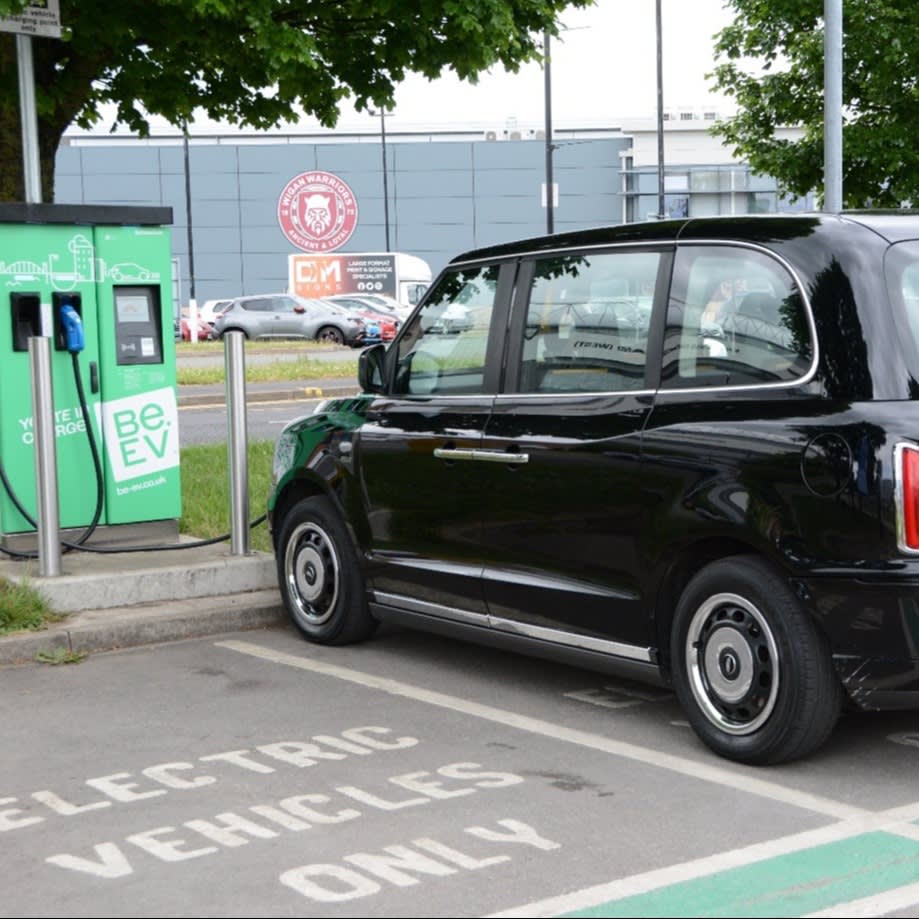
(603, 69)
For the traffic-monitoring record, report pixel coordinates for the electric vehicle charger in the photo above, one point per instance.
(74, 340)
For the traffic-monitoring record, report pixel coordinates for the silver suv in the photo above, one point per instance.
(289, 316)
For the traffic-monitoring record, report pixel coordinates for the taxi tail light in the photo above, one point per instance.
(909, 477)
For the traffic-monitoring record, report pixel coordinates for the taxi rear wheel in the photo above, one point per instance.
(750, 667)
(321, 583)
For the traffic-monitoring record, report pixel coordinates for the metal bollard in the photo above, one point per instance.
(234, 358)
(47, 512)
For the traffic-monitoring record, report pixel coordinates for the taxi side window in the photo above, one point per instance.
(443, 351)
(587, 322)
(735, 318)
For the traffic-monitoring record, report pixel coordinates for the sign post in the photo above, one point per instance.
(43, 18)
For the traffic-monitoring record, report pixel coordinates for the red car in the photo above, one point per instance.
(204, 329)
(388, 323)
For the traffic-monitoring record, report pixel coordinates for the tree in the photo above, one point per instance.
(250, 62)
(784, 40)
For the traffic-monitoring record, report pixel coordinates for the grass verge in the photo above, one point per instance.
(206, 490)
(303, 368)
(205, 505)
(23, 608)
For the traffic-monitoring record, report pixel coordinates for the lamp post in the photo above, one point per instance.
(385, 175)
(550, 196)
(832, 96)
(661, 206)
(192, 301)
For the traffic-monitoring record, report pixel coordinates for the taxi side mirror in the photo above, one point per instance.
(370, 375)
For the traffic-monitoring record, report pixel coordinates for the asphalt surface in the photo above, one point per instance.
(117, 600)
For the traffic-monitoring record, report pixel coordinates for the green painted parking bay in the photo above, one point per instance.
(788, 885)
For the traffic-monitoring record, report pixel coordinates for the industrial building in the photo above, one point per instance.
(442, 192)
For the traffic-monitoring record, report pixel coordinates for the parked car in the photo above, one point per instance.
(388, 322)
(204, 328)
(381, 302)
(289, 316)
(592, 473)
(211, 309)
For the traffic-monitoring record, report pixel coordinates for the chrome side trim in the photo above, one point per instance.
(431, 609)
(481, 456)
(573, 640)
(554, 582)
(553, 636)
(572, 396)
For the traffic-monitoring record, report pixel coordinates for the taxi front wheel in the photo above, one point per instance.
(321, 583)
(750, 667)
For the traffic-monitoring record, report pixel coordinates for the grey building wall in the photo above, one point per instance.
(444, 197)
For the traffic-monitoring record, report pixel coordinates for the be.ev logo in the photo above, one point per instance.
(141, 433)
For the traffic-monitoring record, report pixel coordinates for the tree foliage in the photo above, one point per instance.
(250, 62)
(770, 60)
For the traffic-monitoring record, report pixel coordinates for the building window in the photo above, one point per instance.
(677, 181)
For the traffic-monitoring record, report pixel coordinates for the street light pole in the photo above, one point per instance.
(192, 300)
(661, 207)
(385, 175)
(550, 189)
(832, 99)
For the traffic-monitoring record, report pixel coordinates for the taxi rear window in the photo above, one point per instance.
(901, 267)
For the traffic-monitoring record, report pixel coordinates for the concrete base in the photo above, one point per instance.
(93, 581)
(129, 627)
(145, 533)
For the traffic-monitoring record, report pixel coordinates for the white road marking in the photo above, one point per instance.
(879, 905)
(716, 774)
(649, 881)
(851, 821)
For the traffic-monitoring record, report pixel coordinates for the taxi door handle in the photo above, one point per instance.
(481, 456)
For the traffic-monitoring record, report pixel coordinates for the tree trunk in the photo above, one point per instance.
(12, 168)
(60, 98)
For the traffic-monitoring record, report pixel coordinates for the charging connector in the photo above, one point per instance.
(72, 325)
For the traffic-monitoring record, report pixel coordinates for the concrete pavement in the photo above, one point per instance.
(119, 600)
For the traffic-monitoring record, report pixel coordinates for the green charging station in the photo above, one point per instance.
(112, 267)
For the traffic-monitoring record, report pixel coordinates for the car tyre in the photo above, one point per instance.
(750, 667)
(321, 582)
(331, 335)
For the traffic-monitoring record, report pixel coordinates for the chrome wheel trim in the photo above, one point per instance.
(732, 664)
(312, 574)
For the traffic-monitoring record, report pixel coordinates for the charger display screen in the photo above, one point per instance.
(138, 329)
(133, 308)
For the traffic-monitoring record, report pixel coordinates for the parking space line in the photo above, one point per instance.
(878, 905)
(741, 781)
(799, 878)
(686, 881)
(857, 856)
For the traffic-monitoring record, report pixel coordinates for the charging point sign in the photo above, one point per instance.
(141, 435)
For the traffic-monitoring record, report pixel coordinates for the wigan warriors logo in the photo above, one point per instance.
(317, 211)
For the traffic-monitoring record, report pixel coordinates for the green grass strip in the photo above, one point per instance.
(206, 490)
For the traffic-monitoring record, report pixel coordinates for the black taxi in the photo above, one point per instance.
(685, 452)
